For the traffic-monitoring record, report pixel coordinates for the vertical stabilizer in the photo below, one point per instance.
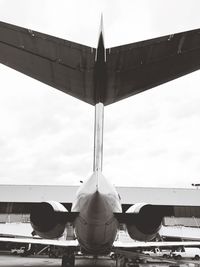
(98, 137)
(101, 30)
(100, 52)
(99, 86)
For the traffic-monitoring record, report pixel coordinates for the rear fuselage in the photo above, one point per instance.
(97, 200)
(96, 227)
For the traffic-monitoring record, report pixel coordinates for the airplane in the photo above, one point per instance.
(98, 76)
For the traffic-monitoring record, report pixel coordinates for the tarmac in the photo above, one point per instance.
(44, 261)
(33, 261)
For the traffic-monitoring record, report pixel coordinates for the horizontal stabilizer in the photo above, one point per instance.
(62, 64)
(74, 68)
(136, 67)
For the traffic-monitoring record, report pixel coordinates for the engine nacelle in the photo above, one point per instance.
(144, 221)
(48, 219)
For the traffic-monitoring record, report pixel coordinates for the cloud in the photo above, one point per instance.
(151, 139)
(165, 152)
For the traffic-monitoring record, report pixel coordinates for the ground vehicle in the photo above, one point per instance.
(113, 255)
(158, 252)
(18, 251)
(193, 253)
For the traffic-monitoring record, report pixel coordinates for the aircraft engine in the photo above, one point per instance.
(48, 219)
(143, 221)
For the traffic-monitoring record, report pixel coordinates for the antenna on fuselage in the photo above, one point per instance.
(99, 81)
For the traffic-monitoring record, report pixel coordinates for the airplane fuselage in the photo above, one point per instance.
(97, 200)
(96, 227)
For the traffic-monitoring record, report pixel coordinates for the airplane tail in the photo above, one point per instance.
(98, 137)
(129, 69)
(88, 75)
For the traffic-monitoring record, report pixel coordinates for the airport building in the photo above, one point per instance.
(66, 194)
(15, 202)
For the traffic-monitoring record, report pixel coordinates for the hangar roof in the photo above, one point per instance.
(129, 195)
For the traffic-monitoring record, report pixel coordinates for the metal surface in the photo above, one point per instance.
(137, 67)
(64, 65)
(98, 137)
(87, 74)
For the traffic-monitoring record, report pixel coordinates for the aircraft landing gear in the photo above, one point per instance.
(68, 259)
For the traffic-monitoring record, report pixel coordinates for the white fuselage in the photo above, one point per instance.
(96, 227)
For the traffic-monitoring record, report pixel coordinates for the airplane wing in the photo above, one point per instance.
(136, 67)
(117, 244)
(167, 244)
(64, 65)
(55, 242)
(70, 67)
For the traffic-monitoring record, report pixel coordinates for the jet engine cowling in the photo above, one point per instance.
(143, 221)
(48, 219)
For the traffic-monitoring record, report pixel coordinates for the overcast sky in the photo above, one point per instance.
(151, 139)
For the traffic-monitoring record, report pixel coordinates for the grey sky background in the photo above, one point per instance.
(151, 139)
